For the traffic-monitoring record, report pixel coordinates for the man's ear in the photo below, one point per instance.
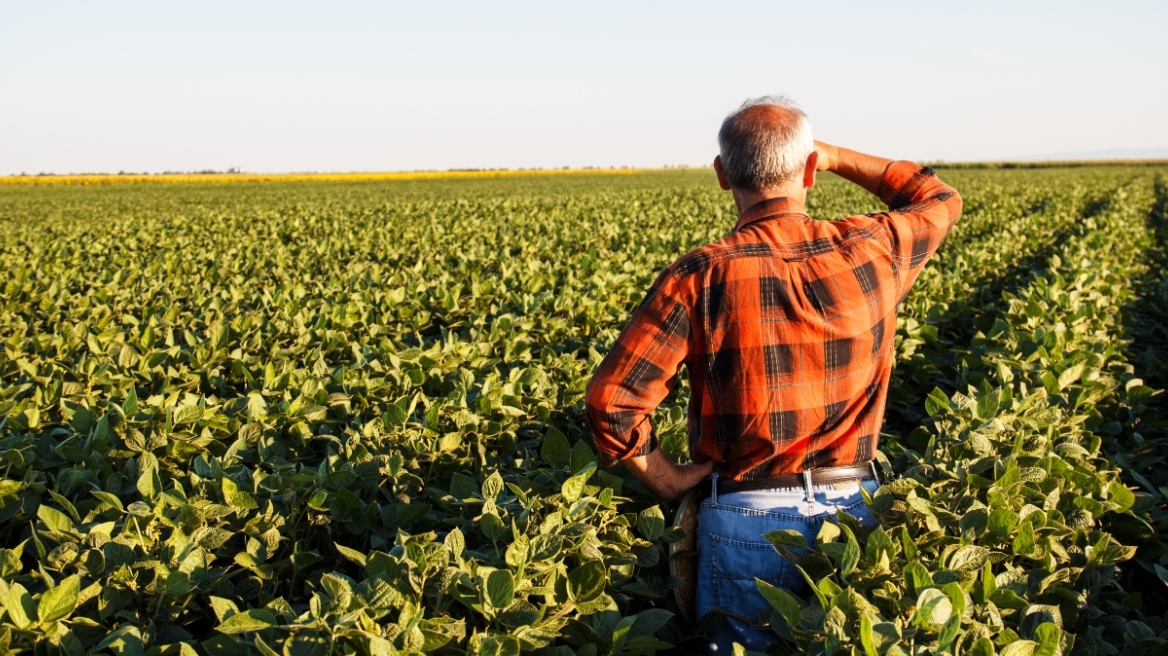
(722, 181)
(809, 170)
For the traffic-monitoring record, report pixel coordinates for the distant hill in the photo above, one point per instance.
(1113, 153)
(1111, 157)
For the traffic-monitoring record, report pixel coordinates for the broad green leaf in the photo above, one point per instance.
(109, 499)
(933, 608)
(55, 519)
(82, 420)
(21, 608)
(411, 512)
(587, 581)
(317, 500)
(917, 576)
(555, 450)
(1024, 539)
(982, 647)
(573, 488)
(463, 487)
(455, 543)
(150, 484)
(851, 554)
(648, 621)
(177, 583)
(9, 488)
(581, 457)
(782, 601)
(500, 588)
(1047, 636)
(337, 588)
(130, 404)
(450, 442)
(493, 486)
(254, 619)
(126, 640)
(1050, 383)
(223, 608)
(1019, 648)
(788, 537)
(651, 523)
(907, 544)
(969, 558)
(936, 403)
(1002, 522)
(1121, 496)
(57, 603)
(235, 497)
(987, 406)
(956, 597)
(394, 416)
(492, 526)
(518, 552)
(1070, 376)
(352, 555)
(948, 632)
(187, 415)
(867, 638)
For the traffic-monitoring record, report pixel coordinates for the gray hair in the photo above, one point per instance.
(765, 143)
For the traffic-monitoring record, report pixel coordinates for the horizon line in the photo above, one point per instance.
(237, 174)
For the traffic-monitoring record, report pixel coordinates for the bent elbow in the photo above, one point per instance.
(596, 401)
(951, 198)
(592, 393)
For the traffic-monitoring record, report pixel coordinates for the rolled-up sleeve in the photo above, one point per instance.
(638, 373)
(921, 210)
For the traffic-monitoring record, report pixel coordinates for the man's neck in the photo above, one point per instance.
(796, 197)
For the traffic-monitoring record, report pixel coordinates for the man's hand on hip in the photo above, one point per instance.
(664, 477)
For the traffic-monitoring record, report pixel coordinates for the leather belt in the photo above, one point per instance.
(820, 476)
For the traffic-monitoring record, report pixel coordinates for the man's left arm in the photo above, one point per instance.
(633, 379)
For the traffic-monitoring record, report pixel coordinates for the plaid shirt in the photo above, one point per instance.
(786, 327)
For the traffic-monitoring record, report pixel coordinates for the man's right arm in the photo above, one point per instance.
(922, 208)
(864, 170)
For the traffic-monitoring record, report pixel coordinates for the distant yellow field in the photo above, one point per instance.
(84, 180)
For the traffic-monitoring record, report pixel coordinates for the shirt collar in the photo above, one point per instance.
(767, 209)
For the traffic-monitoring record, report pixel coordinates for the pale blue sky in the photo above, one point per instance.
(426, 85)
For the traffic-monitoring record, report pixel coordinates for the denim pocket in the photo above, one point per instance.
(735, 565)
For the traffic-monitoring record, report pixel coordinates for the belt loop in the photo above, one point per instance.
(810, 493)
(714, 489)
(875, 472)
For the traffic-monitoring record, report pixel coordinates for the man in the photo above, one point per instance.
(786, 327)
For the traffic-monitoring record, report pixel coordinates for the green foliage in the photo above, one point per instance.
(347, 418)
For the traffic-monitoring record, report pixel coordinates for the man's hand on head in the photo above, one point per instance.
(826, 156)
(664, 477)
(864, 170)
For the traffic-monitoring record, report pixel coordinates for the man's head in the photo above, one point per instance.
(766, 148)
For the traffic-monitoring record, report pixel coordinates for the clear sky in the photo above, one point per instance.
(383, 86)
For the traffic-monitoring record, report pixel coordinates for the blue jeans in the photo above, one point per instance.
(732, 552)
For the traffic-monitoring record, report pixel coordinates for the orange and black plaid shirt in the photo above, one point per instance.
(786, 327)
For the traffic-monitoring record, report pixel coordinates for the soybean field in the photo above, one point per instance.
(345, 417)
